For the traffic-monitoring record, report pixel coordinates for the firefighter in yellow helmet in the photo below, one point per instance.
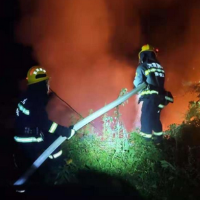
(34, 130)
(154, 96)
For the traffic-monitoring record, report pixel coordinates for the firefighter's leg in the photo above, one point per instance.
(22, 162)
(146, 120)
(33, 151)
(54, 162)
(158, 133)
(157, 127)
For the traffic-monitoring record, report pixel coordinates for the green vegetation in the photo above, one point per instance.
(170, 171)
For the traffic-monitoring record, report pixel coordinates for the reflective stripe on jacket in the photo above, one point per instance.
(31, 113)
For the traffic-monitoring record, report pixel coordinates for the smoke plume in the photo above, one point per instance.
(90, 49)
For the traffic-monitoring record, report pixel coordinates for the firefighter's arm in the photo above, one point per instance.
(54, 128)
(48, 125)
(139, 76)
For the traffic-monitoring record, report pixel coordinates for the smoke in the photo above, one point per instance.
(90, 48)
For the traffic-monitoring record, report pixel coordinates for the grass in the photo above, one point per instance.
(171, 171)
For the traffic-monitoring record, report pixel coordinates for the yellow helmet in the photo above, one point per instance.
(147, 47)
(36, 74)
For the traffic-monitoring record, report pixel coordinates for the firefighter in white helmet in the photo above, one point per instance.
(34, 131)
(154, 96)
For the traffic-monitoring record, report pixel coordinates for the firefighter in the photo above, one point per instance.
(154, 96)
(34, 131)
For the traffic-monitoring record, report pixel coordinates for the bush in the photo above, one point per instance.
(171, 171)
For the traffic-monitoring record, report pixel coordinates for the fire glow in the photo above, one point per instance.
(88, 48)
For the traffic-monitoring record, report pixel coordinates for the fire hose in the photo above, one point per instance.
(76, 127)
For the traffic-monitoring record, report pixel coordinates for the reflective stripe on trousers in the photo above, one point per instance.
(145, 135)
(158, 133)
(149, 136)
(56, 155)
